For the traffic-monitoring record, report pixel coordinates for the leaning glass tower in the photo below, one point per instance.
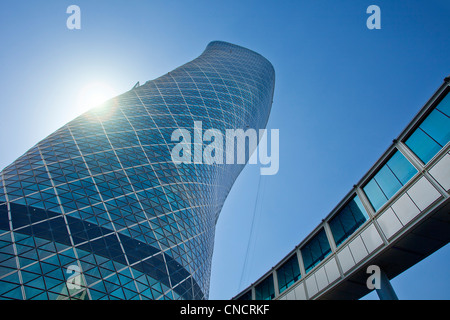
(98, 210)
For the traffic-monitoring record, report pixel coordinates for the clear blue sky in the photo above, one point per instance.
(343, 92)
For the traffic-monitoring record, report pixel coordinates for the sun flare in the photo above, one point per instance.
(94, 94)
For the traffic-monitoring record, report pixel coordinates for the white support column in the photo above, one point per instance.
(330, 237)
(275, 283)
(300, 263)
(365, 202)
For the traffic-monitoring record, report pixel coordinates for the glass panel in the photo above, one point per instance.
(315, 250)
(344, 223)
(288, 273)
(437, 125)
(433, 133)
(401, 167)
(246, 296)
(444, 105)
(422, 145)
(265, 290)
(307, 258)
(389, 179)
(374, 194)
(357, 206)
(337, 228)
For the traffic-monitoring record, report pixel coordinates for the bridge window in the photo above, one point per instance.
(288, 273)
(348, 219)
(265, 290)
(433, 133)
(246, 296)
(315, 250)
(389, 179)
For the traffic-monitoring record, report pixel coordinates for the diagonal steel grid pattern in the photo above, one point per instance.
(102, 193)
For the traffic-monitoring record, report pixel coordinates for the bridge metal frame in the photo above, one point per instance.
(410, 226)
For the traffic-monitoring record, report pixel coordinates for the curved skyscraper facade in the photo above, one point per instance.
(98, 209)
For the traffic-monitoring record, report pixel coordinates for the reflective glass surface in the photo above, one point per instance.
(265, 290)
(288, 273)
(315, 250)
(433, 133)
(348, 220)
(98, 210)
(246, 296)
(389, 179)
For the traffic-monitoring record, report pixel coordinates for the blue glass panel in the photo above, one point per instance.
(344, 223)
(444, 105)
(15, 294)
(387, 181)
(265, 290)
(246, 296)
(374, 194)
(356, 201)
(338, 231)
(324, 244)
(347, 219)
(433, 133)
(6, 286)
(437, 125)
(288, 273)
(307, 257)
(422, 145)
(315, 250)
(401, 167)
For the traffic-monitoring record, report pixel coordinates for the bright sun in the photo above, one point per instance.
(94, 94)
